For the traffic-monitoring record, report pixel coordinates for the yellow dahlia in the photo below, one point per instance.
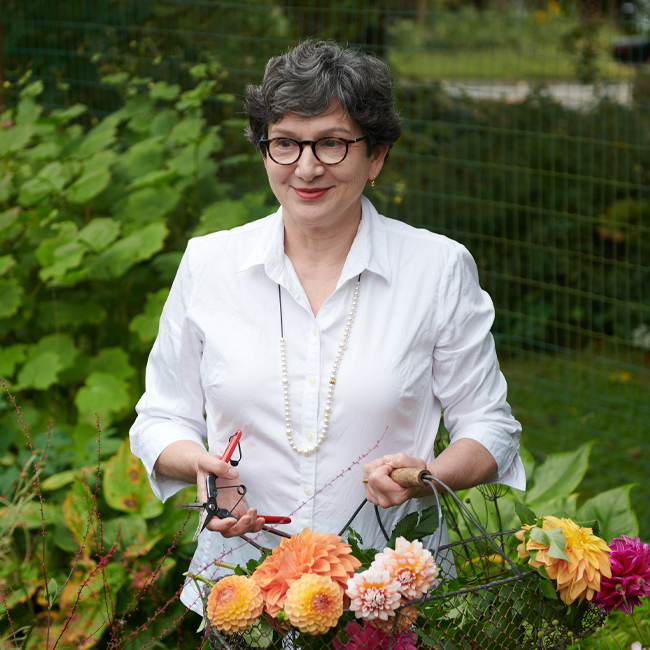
(410, 565)
(234, 603)
(304, 553)
(406, 617)
(579, 577)
(314, 603)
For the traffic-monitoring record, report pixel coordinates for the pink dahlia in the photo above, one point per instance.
(630, 578)
(373, 594)
(370, 637)
(410, 565)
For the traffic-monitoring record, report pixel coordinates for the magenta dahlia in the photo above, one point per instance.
(630, 579)
(369, 637)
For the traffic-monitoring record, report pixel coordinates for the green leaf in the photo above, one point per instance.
(115, 79)
(548, 589)
(149, 203)
(154, 178)
(7, 190)
(34, 89)
(403, 528)
(77, 514)
(146, 325)
(126, 486)
(101, 137)
(365, 556)
(63, 115)
(553, 538)
(114, 361)
(427, 525)
(27, 111)
(187, 130)
(89, 186)
(15, 138)
(8, 217)
(100, 233)
(100, 160)
(614, 513)
(166, 265)
(56, 314)
(163, 123)
(103, 394)
(44, 151)
(559, 475)
(10, 297)
(116, 260)
(52, 178)
(145, 157)
(163, 91)
(10, 357)
(194, 98)
(62, 254)
(52, 592)
(40, 371)
(259, 634)
(57, 481)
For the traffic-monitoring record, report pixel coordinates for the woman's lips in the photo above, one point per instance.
(311, 193)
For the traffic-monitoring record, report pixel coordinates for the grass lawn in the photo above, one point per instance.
(488, 45)
(565, 399)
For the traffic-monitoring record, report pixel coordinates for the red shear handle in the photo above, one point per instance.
(230, 449)
(275, 520)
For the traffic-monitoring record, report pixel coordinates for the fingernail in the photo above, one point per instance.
(232, 473)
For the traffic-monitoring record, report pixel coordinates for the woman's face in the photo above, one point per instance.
(313, 194)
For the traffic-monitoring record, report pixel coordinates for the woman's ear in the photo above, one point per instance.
(377, 160)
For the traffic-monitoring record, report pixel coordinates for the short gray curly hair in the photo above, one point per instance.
(308, 77)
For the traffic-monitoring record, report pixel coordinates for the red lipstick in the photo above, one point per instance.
(311, 193)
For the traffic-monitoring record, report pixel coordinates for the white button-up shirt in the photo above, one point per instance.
(420, 343)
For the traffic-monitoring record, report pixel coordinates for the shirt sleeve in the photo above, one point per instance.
(466, 375)
(173, 405)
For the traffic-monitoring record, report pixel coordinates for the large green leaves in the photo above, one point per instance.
(89, 186)
(10, 296)
(102, 395)
(613, 511)
(146, 324)
(140, 245)
(126, 486)
(558, 476)
(45, 360)
(15, 138)
(52, 178)
(100, 233)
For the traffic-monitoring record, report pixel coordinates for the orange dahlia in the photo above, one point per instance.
(304, 553)
(314, 603)
(234, 603)
(579, 576)
(406, 617)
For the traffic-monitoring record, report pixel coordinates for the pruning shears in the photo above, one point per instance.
(210, 508)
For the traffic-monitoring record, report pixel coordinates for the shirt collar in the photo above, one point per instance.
(369, 250)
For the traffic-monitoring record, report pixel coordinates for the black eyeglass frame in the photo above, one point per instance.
(265, 142)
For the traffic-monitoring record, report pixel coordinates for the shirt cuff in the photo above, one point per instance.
(149, 444)
(504, 447)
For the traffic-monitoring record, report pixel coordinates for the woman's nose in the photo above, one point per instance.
(308, 166)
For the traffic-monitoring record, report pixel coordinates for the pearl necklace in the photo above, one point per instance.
(332, 380)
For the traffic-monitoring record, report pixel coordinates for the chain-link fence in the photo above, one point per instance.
(525, 139)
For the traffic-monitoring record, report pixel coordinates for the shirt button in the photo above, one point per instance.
(309, 436)
(312, 381)
(307, 490)
(315, 331)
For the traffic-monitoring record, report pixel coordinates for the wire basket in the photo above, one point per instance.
(496, 605)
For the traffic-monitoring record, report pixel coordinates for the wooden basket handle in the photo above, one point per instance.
(409, 476)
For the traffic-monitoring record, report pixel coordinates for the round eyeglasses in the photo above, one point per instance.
(287, 151)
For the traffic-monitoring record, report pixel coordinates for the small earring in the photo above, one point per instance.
(372, 182)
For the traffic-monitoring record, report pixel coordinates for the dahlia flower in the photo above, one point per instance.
(410, 565)
(373, 594)
(234, 603)
(304, 553)
(406, 617)
(579, 577)
(370, 637)
(630, 579)
(314, 603)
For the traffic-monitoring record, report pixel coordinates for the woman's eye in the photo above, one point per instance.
(285, 144)
(331, 143)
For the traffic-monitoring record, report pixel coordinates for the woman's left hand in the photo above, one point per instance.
(381, 489)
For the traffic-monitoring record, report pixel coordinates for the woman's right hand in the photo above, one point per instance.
(189, 461)
(227, 475)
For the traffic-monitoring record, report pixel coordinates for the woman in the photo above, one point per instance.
(330, 335)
